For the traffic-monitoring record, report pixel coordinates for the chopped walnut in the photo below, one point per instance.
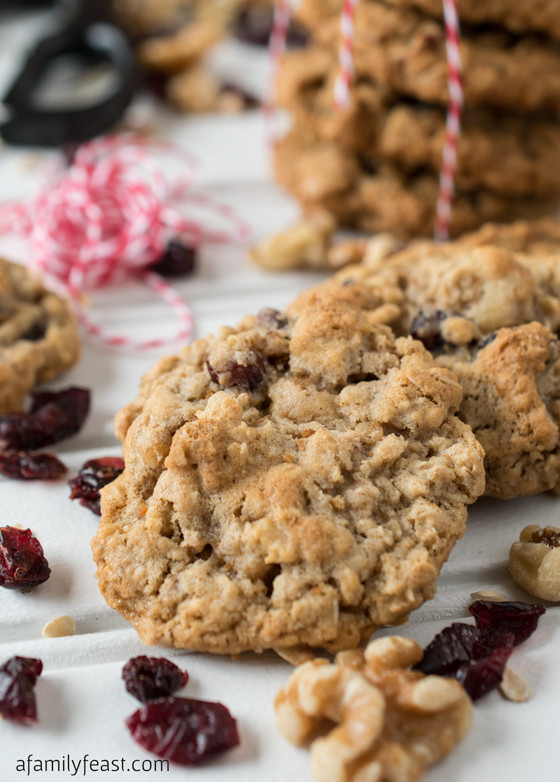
(303, 245)
(389, 722)
(534, 561)
(379, 248)
(346, 252)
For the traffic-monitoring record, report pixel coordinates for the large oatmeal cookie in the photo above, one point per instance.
(488, 307)
(38, 335)
(298, 480)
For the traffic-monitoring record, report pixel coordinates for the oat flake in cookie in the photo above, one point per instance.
(297, 481)
(38, 335)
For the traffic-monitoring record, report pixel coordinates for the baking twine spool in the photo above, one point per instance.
(344, 80)
(109, 216)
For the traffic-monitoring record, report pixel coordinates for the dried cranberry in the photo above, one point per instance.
(487, 340)
(464, 653)
(483, 674)
(457, 644)
(269, 318)
(476, 656)
(94, 475)
(495, 618)
(178, 260)
(248, 376)
(29, 466)
(426, 327)
(53, 417)
(36, 332)
(184, 730)
(17, 680)
(22, 560)
(148, 678)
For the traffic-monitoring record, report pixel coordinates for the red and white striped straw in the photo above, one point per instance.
(453, 125)
(346, 55)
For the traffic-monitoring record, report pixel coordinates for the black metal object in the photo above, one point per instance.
(86, 30)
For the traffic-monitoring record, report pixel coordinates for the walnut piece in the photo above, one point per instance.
(488, 594)
(534, 561)
(389, 722)
(303, 245)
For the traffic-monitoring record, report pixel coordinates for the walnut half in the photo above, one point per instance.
(534, 561)
(389, 722)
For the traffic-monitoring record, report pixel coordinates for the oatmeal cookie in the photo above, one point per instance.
(38, 335)
(539, 16)
(324, 176)
(296, 481)
(405, 50)
(488, 307)
(503, 153)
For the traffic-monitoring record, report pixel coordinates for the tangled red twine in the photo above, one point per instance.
(110, 215)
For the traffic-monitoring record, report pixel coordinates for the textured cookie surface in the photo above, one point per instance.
(405, 50)
(324, 175)
(488, 307)
(541, 16)
(38, 335)
(298, 480)
(506, 154)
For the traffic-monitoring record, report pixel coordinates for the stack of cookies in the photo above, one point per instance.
(375, 165)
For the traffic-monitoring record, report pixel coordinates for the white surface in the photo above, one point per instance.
(82, 702)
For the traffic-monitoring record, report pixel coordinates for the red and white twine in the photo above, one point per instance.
(346, 55)
(276, 48)
(109, 216)
(453, 124)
